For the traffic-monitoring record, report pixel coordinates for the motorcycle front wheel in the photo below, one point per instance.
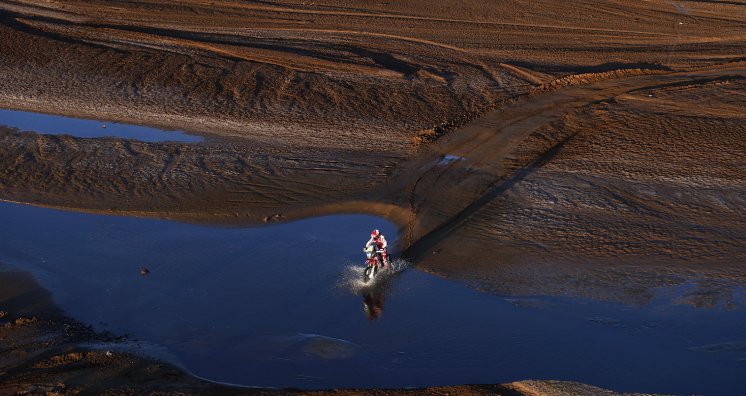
(369, 272)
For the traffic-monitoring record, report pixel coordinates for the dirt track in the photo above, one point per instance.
(536, 147)
(333, 73)
(622, 187)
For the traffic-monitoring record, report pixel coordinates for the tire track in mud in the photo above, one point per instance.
(288, 48)
(484, 146)
(260, 70)
(431, 239)
(369, 14)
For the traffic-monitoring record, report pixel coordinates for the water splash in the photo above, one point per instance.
(448, 158)
(352, 277)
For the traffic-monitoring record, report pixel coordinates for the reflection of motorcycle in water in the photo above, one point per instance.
(373, 262)
(373, 301)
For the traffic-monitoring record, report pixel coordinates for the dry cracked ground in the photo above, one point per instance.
(580, 148)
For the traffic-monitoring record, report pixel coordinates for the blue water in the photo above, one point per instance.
(273, 306)
(59, 125)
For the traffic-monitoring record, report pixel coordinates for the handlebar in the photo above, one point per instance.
(377, 251)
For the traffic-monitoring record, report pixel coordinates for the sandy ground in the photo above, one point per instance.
(578, 148)
(611, 197)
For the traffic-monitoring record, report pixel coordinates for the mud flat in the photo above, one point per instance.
(337, 74)
(610, 199)
(583, 148)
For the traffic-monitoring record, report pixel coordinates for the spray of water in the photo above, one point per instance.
(352, 277)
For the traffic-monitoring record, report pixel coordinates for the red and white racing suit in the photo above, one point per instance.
(380, 245)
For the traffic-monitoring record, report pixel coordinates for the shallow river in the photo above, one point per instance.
(279, 306)
(59, 125)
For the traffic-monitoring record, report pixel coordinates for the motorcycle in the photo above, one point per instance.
(373, 263)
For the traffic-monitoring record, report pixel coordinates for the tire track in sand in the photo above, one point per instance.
(482, 147)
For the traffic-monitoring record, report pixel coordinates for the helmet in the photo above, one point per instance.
(375, 234)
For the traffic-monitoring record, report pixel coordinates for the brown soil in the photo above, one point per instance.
(606, 193)
(602, 143)
(334, 74)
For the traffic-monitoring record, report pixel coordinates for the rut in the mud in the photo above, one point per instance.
(429, 241)
(504, 146)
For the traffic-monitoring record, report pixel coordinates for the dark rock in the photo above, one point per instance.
(273, 218)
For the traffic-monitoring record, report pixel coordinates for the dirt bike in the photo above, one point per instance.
(373, 263)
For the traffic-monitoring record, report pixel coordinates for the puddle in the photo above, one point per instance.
(269, 307)
(60, 125)
(448, 158)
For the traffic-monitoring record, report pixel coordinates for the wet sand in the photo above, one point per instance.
(607, 195)
(602, 142)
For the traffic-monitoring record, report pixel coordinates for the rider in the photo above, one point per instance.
(377, 238)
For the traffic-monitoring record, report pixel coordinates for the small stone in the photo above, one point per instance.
(273, 218)
(25, 321)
